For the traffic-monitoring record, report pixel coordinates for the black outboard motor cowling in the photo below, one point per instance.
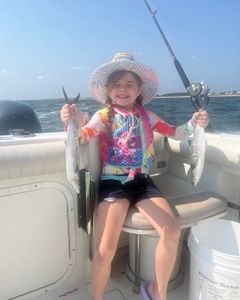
(18, 118)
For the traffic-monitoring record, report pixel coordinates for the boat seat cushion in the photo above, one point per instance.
(189, 204)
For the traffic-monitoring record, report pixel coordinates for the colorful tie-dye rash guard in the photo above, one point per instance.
(129, 149)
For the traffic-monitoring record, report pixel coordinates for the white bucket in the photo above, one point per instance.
(215, 260)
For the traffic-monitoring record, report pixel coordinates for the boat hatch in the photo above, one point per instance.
(36, 225)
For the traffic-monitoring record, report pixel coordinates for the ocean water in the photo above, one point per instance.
(224, 112)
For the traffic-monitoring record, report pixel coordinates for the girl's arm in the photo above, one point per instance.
(93, 127)
(180, 132)
(199, 118)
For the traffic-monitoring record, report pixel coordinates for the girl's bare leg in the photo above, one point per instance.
(159, 213)
(110, 219)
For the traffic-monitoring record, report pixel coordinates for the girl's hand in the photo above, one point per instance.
(200, 118)
(68, 112)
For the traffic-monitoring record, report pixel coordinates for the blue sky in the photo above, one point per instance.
(45, 44)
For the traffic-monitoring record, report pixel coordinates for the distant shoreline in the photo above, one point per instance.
(187, 96)
(157, 97)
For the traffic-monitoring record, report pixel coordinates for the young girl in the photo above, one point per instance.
(125, 131)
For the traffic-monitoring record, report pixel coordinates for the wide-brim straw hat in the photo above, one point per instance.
(124, 61)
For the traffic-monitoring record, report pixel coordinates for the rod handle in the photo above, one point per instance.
(181, 73)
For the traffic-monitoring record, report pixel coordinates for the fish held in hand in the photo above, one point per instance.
(197, 151)
(72, 147)
(72, 155)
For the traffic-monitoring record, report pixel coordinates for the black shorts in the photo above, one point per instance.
(140, 188)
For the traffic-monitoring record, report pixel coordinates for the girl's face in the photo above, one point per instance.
(124, 91)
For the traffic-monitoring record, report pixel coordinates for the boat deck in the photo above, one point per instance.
(119, 286)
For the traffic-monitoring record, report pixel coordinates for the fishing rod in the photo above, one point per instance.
(197, 91)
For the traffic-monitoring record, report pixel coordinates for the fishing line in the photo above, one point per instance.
(197, 91)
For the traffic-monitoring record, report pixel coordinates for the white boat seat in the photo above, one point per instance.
(190, 205)
(189, 211)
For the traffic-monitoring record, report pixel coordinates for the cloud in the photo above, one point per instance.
(77, 68)
(41, 77)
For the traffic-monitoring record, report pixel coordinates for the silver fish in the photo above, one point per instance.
(72, 155)
(72, 148)
(197, 150)
(75, 152)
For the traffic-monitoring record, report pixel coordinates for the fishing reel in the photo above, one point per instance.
(199, 95)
